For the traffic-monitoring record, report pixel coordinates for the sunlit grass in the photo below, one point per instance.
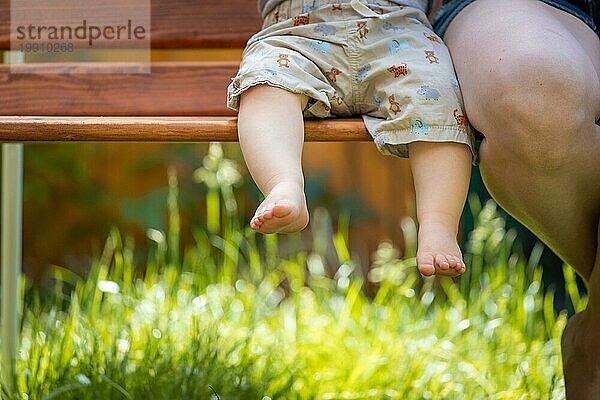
(233, 317)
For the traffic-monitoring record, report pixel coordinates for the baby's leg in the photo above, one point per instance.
(271, 134)
(441, 174)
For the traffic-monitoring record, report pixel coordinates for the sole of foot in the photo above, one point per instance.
(283, 210)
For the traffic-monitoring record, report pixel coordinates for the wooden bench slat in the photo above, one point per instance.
(159, 129)
(182, 23)
(4, 24)
(173, 88)
(204, 23)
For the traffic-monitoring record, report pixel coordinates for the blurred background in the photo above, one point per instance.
(75, 192)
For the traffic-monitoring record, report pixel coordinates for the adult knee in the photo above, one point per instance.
(537, 108)
(580, 356)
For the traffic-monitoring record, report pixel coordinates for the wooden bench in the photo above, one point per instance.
(36, 105)
(179, 101)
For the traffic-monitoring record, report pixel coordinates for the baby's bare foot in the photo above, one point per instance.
(282, 211)
(438, 252)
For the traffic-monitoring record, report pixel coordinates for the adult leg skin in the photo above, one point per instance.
(535, 95)
(441, 174)
(271, 134)
(581, 358)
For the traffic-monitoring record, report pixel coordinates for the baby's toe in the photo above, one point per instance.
(425, 264)
(442, 262)
(264, 216)
(454, 262)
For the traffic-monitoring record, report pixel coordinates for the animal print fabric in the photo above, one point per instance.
(266, 6)
(374, 59)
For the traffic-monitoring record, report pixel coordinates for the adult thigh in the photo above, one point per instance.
(527, 68)
(529, 76)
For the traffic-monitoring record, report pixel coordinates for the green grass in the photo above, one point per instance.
(241, 316)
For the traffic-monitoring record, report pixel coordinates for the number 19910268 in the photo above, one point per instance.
(46, 47)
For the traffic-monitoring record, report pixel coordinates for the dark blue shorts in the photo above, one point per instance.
(450, 10)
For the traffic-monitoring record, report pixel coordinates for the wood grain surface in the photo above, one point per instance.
(172, 88)
(157, 129)
(178, 23)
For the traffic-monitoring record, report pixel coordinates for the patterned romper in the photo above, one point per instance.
(373, 58)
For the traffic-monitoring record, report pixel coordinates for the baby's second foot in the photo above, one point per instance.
(282, 211)
(438, 252)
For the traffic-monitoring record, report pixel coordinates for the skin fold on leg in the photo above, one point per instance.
(535, 95)
(271, 135)
(441, 174)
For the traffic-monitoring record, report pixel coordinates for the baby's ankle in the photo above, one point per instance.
(276, 178)
(439, 221)
(286, 185)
